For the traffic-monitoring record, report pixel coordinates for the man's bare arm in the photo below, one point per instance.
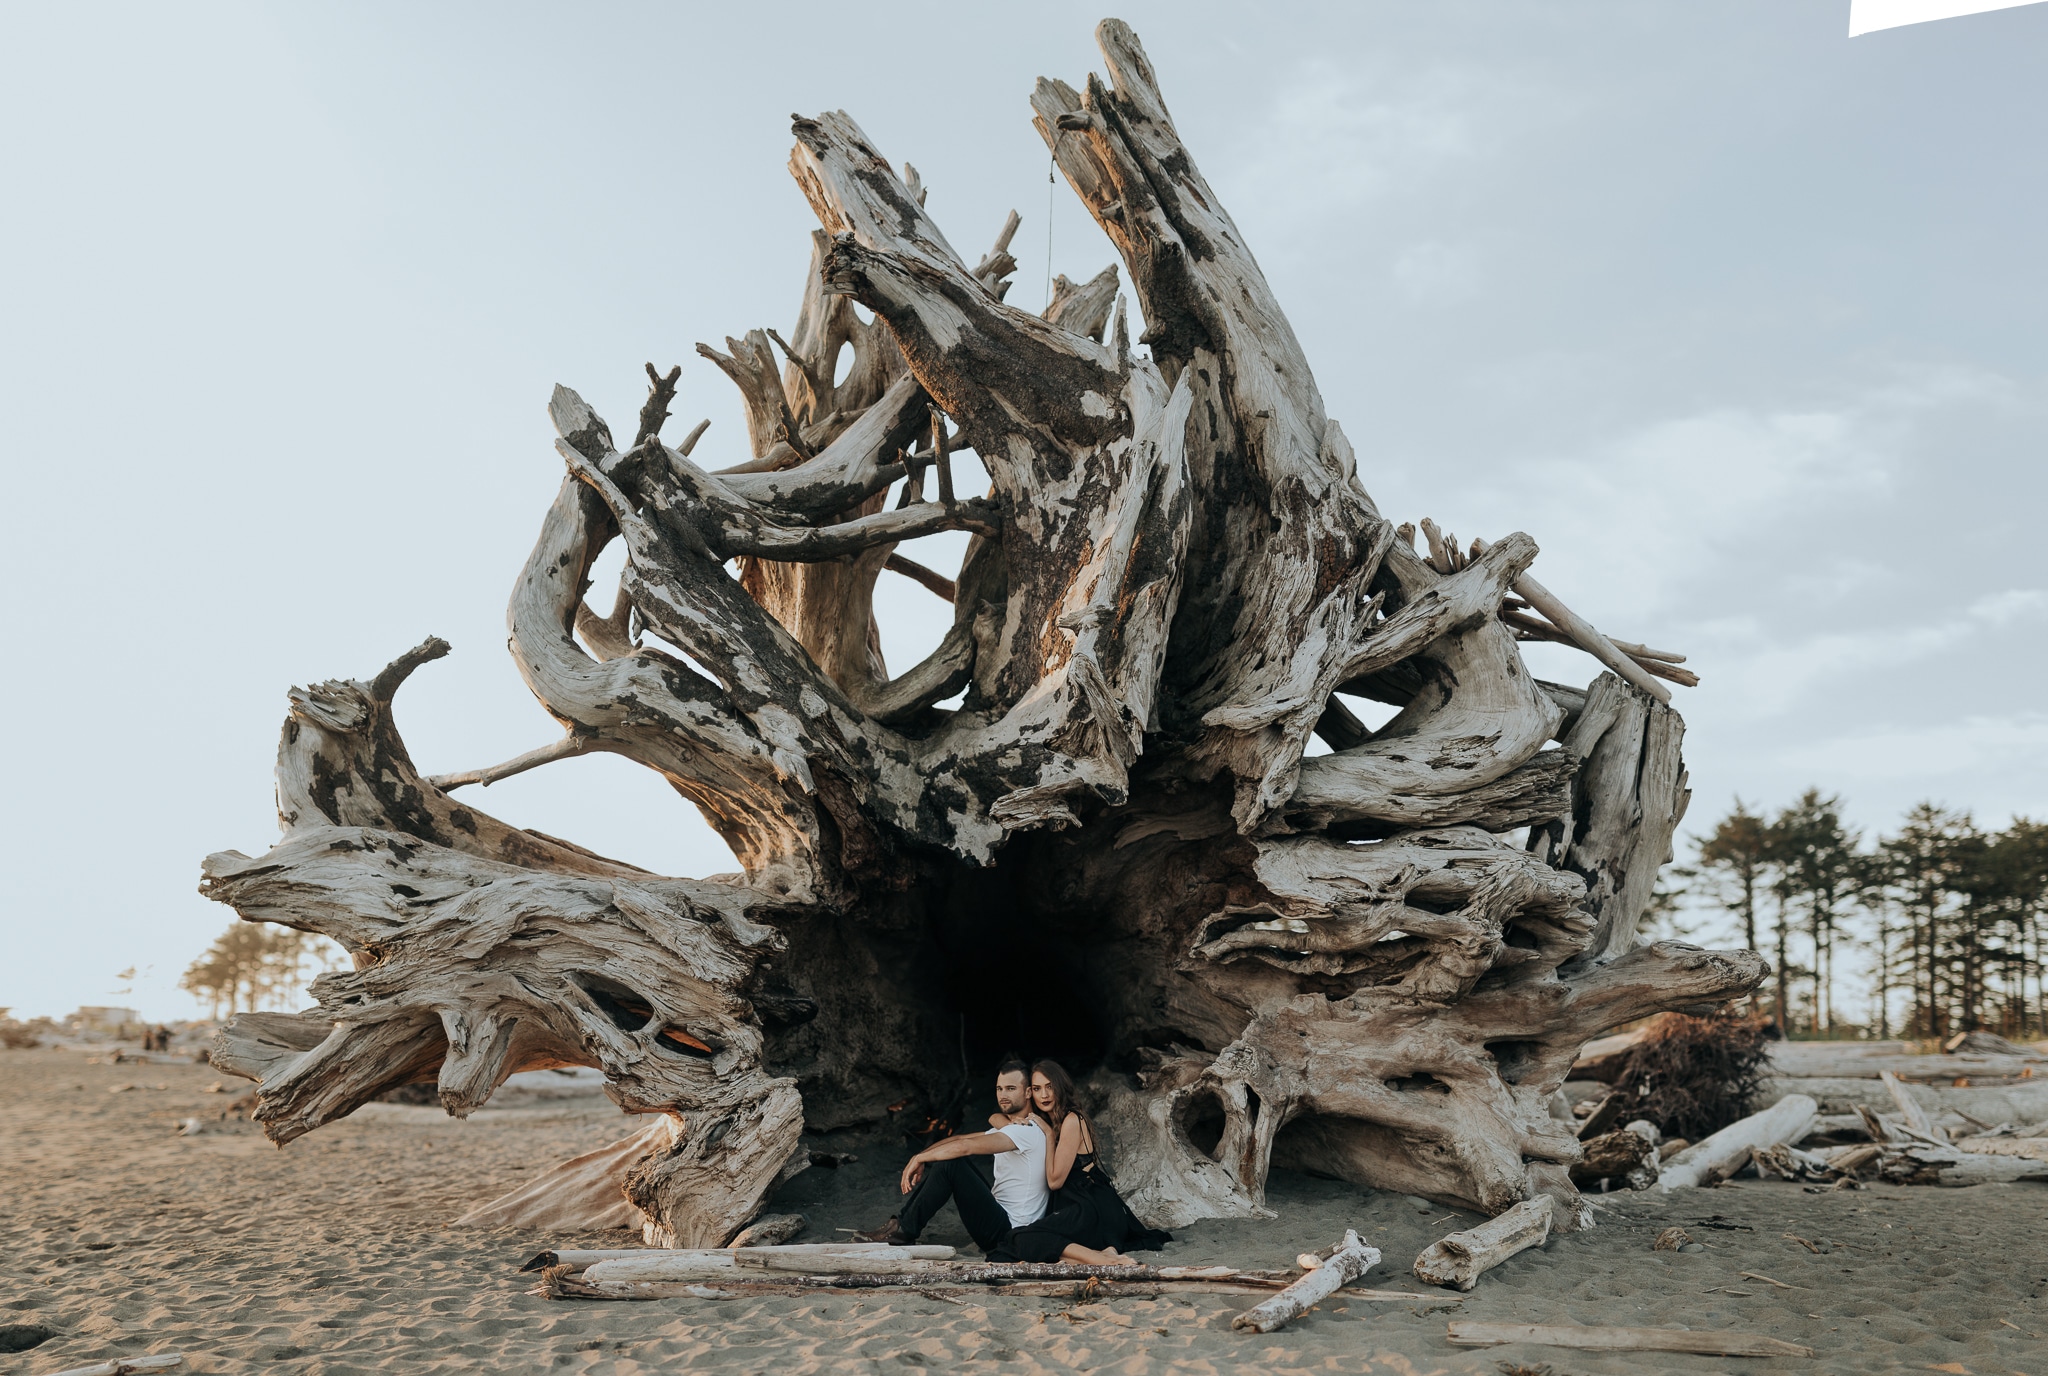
(967, 1144)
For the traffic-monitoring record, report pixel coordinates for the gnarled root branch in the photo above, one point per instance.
(708, 1184)
(1174, 574)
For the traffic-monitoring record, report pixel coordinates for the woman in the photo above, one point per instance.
(1087, 1220)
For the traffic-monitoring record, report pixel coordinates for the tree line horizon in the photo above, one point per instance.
(1948, 915)
(1951, 918)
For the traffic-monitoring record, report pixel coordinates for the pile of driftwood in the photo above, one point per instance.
(739, 1272)
(760, 1262)
(1793, 1140)
(936, 1272)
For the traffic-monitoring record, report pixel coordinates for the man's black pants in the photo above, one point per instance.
(959, 1180)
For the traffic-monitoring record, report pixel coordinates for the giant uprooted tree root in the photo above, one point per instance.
(1096, 788)
(1693, 1076)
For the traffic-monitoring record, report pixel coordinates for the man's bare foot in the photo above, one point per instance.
(890, 1232)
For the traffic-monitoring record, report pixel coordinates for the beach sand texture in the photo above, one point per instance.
(337, 1254)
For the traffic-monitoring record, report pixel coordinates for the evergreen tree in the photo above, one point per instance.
(1736, 861)
(252, 965)
(1819, 872)
(1920, 868)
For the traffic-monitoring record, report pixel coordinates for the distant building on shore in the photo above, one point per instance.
(109, 1020)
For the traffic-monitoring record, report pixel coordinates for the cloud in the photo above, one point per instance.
(1765, 677)
(2006, 752)
(1682, 512)
(1338, 137)
(2003, 608)
(1435, 274)
(1330, 141)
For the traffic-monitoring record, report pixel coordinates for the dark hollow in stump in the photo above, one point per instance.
(1377, 962)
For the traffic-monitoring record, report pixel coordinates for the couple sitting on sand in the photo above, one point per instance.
(1049, 1198)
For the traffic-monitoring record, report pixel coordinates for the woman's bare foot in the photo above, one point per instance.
(1088, 1256)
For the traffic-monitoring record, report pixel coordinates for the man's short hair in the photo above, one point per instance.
(1013, 1064)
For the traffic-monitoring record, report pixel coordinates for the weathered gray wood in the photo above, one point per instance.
(700, 1190)
(1723, 1153)
(1589, 639)
(575, 1260)
(701, 1264)
(1631, 794)
(566, 1286)
(1176, 567)
(769, 1230)
(123, 1366)
(1466, 1333)
(1459, 1259)
(1004, 1272)
(1613, 1155)
(1084, 308)
(1909, 1108)
(583, 1194)
(1351, 1260)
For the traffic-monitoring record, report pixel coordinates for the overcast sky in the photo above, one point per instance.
(1741, 319)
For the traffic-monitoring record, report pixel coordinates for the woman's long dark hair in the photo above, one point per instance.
(1065, 1099)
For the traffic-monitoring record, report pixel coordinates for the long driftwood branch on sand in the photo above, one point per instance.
(576, 1288)
(1351, 1260)
(1466, 1333)
(129, 1366)
(732, 1273)
(1722, 1154)
(560, 1282)
(1377, 962)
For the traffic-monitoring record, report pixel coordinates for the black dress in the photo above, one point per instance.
(1088, 1210)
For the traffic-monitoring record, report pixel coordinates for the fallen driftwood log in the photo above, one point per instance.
(582, 1194)
(1721, 1155)
(121, 1366)
(576, 1288)
(574, 1259)
(718, 1263)
(1466, 1333)
(1605, 1116)
(996, 1272)
(1906, 1162)
(769, 1230)
(560, 1283)
(1930, 1165)
(1988, 1042)
(2031, 1148)
(1603, 1057)
(1784, 1162)
(1458, 1259)
(1850, 1161)
(1863, 1060)
(1915, 1117)
(1351, 1260)
(1629, 1154)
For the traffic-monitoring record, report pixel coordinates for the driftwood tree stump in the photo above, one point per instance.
(1377, 962)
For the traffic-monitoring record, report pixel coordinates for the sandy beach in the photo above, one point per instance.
(337, 1254)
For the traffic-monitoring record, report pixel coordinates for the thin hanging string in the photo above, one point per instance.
(1050, 184)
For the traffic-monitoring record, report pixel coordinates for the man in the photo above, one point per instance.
(946, 1170)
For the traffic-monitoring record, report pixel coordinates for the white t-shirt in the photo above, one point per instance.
(1020, 1175)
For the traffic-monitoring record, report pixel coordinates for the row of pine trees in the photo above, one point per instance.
(257, 965)
(1936, 928)
(1942, 921)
